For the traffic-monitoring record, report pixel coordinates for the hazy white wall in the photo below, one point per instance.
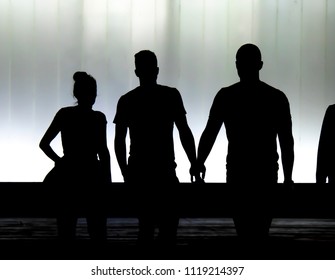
(43, 42)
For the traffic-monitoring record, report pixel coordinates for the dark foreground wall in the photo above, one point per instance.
(34, 199)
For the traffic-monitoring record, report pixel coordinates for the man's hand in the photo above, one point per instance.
(197, 173)
(125, 174)
(289, 184)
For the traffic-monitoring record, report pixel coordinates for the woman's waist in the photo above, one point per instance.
(79, 158)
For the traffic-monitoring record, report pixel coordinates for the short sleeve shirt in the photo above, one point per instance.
(253, 117)
(150, 115)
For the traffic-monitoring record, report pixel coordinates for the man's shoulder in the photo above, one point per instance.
(167, 89)
(67, 109)
(130, 93)
(270, 88)
(159, 88)
(99, 114)
(128, 97)
(230, 88)
(331, 110)
(227, 91)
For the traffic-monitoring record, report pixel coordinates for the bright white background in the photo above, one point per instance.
(43, 42)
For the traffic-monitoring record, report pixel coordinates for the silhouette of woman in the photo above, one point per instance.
(81, 173)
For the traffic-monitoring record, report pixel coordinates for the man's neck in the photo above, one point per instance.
(252, 81)
(144, 83)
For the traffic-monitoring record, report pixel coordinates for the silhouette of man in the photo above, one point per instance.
(84, 169)
(254, 114)
(150, 112)
(325, 168)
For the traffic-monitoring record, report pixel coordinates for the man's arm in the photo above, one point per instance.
(120, 149)
(286, 143)
(103, 152)
(287, 154)
(188, 143)
(206, 143)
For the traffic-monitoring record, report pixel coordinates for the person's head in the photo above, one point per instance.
(146, 67)
(85, 88)
(249, 62)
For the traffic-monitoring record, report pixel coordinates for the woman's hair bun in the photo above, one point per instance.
(79, 75)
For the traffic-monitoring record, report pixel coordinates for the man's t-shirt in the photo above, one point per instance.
(253, 117)
(150, 114)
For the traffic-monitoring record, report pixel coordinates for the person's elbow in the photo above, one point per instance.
(43, 145)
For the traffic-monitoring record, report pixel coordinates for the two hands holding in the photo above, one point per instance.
(198, 172)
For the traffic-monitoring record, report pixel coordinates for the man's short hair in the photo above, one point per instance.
(248, 52)
(145, 58)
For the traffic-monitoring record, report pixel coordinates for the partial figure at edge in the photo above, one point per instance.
(325, 168)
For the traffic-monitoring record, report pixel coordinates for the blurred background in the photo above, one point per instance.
(43, 42)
